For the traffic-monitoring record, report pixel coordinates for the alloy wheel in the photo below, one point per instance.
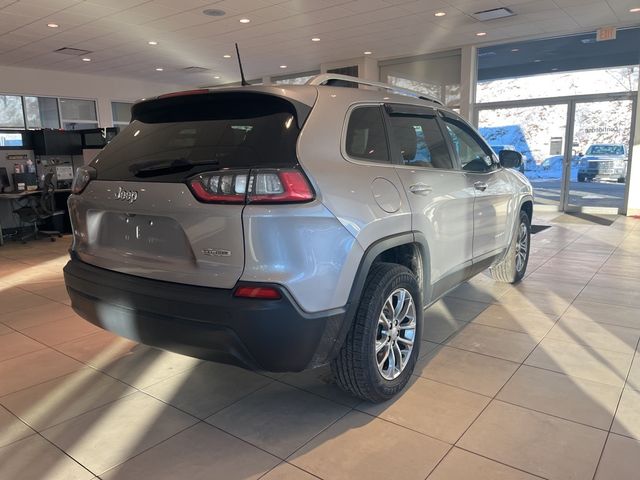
(396, 333)
(522, 247)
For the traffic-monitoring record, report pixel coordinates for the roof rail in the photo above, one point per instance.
(324, 78)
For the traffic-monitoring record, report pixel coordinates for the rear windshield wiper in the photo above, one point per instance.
(164, 167)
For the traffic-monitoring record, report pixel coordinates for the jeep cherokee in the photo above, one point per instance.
(283, 228)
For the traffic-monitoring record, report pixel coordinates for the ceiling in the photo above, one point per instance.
(117, 32)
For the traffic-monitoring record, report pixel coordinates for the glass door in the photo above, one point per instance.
(539, 132)
(597, 174)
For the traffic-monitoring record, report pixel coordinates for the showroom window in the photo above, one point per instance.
(366, 139)
(437, 75)
(42, 112)
(11, 113)
(31, 112)
(121, 112)
(420, 141)
(77, 114)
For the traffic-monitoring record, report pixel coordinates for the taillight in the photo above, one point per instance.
(264, 293)
(255, 186)
(220, 187)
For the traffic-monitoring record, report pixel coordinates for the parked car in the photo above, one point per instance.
(292, 227)
(604, 162)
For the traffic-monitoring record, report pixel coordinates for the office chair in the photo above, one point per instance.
(39, 209)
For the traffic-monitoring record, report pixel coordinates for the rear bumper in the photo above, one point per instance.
(207, 323)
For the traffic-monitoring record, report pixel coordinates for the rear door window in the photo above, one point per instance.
(366, 137)
(418, 141)
(173, 139)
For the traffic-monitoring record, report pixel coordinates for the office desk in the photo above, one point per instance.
(14, 196)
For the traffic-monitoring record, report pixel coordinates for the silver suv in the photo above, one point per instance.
(287, 227)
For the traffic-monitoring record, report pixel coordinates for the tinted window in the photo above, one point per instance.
(174, 138)
(366, 139)
(474, 157)
(420, 141)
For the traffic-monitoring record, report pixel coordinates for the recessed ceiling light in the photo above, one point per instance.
(217, 77)
(245, 20)
(214, 12)
(52, 25)
(537, 60)
(368, 53)
(481, 34)
(283, 66)
(152, 42)
(440, 14)
(634, 10)
(86, 59)
(159, 69)
(226, 56)
(315, 39)
(515, 49)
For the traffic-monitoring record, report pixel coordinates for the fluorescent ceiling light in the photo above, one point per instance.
(227, 55)
(481, 34)
(159, 69)
(315, 39)
(52, 25)
(283, 66)
(245, 20)
(368, 53)
(152, 42)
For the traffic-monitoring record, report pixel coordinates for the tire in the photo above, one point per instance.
(356, 367)
(580, 178)
(511, 269)
(621, 180)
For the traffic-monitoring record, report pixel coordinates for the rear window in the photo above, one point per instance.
(366, 138)
(173, 138)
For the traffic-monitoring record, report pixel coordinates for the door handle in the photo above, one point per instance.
(420, 189)
(482, 186)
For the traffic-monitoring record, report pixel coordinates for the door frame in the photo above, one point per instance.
(571, 102)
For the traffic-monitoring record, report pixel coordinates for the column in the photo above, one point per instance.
(633, 172)
(468, 78)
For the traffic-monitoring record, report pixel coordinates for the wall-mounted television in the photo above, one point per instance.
(12, 139)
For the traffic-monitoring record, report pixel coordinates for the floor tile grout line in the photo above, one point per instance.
(494, 398)
(151, 447)
(634, 359)
(292, 465)
(501, 462)
(613, 418)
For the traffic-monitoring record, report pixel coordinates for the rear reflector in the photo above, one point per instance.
(264, 293)
(255, 186)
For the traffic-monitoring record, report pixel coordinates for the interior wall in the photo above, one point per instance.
(103, 89)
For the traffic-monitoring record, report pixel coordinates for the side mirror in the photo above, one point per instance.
(510, 159)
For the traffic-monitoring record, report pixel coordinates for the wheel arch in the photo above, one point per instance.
(409, 249)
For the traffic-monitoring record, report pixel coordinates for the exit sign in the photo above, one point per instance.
(606, 33)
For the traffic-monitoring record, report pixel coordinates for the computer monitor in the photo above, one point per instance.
(4, 179)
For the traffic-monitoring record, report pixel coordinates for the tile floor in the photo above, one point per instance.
(538, 380)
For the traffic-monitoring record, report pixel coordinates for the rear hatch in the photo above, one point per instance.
(167, 196)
